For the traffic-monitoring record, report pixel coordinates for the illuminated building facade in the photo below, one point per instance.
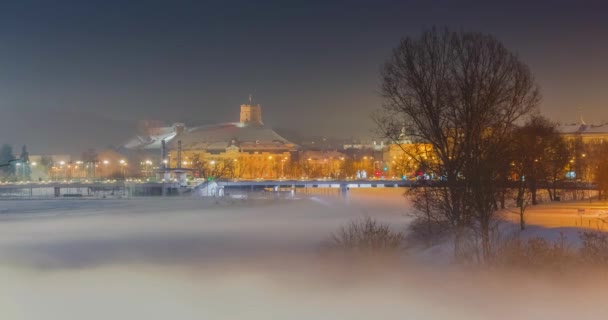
(587, 133)
(245, 149)
(402, 160)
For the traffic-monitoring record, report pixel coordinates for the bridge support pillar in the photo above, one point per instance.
(344, 191)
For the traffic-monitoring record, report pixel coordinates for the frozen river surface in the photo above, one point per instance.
(187, 258)
(91, 233)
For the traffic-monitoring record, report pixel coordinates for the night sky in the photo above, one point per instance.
(75, 74)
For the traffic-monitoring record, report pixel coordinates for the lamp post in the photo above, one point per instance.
(68, 171)
(105, 167)
(364, 167)
(79, 172)
(148, 167)
(582, 167)
(283, 167)
(212, 172)
(270, 167)
(572, 175)
(62, 169)
(18, 167)
(33, 164)
(123, 164)
(236, 168)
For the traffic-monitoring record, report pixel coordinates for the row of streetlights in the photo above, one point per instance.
(65, 166)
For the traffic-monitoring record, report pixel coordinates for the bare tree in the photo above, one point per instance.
(213, 168)
(90, 158)
(461, 93)
(6, 159)
(429, 226)
(538, 157)
(598, 162)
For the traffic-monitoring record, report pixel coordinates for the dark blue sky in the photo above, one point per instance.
(80, 73)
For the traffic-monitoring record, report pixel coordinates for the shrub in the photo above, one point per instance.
(534, 254)
(365, 236)
(425, 232)
(594, 248)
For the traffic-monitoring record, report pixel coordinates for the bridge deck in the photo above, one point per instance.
(259, 184)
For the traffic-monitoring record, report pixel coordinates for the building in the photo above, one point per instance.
(244, 149)
(585, 142)
(403, 160)
(371, 145)
(322, 164)
(587, 133)
(251, 114)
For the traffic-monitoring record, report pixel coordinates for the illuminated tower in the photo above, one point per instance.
(251, 113)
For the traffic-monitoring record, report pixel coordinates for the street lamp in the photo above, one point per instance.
(283, 167)
(18, 165)
(148, 167)
(105, 168)
(211, 174)
(123, 165)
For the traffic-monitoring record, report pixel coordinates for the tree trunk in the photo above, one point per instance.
(485, 241)
(428, 215)
(522, 220)
(458, 247)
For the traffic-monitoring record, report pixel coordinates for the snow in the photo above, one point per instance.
(191, 258)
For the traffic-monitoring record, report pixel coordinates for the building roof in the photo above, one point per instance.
(152, 142)
(215, 137)
(247, 135)
(582, 128)
(221, 136)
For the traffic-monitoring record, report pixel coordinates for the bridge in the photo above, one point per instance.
(317, 183)
(135, 188)
(113, 188)
(256, 184)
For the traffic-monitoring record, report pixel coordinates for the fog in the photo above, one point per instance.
(248, 259)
